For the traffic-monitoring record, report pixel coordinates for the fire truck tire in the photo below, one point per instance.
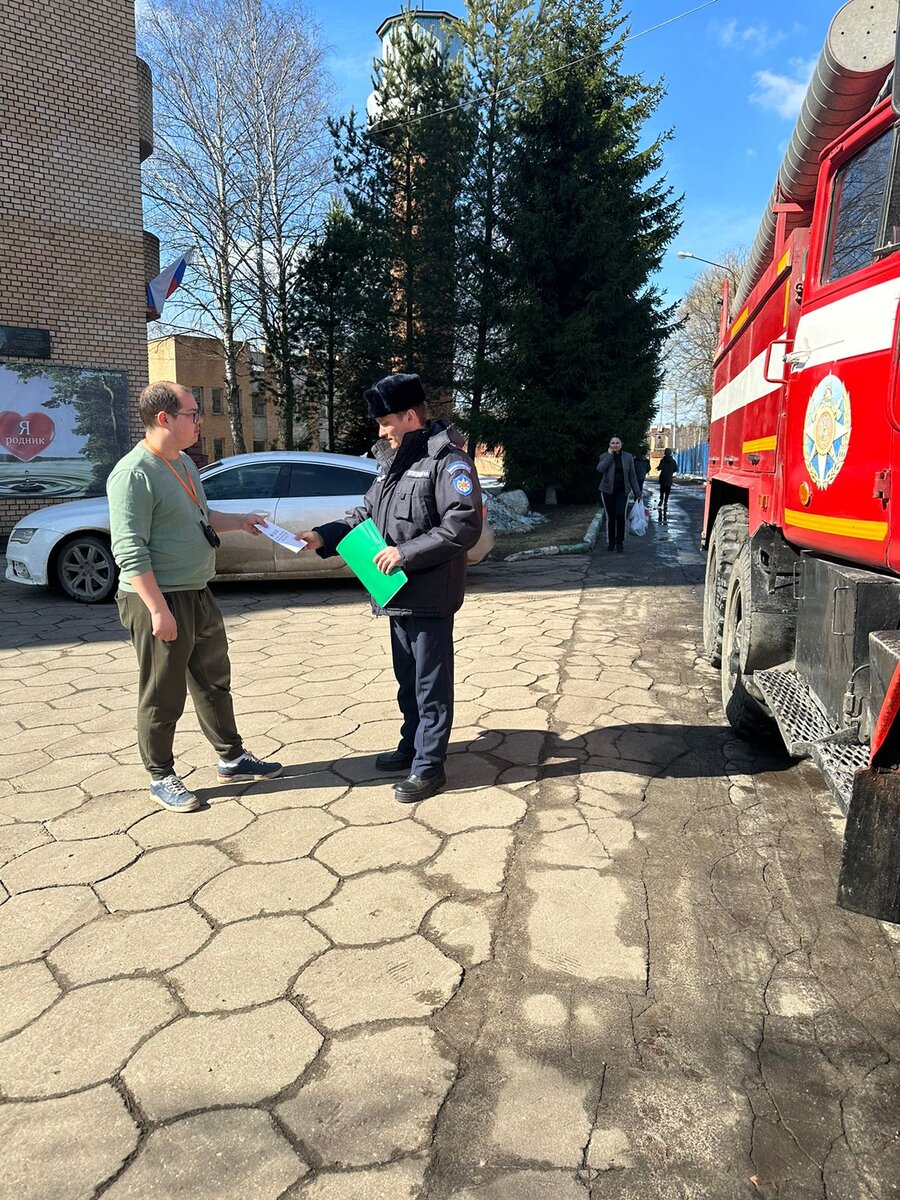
(729, 533)
(746, 714)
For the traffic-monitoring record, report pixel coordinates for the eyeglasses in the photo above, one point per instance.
(195, 414)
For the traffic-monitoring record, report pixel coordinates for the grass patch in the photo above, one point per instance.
(566, 523)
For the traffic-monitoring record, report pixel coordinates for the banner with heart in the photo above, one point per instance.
(26, 435)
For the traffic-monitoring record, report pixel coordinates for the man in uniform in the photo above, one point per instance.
(426, 503)
(163, 540)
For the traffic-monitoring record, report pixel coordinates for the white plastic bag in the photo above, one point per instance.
(637, 523)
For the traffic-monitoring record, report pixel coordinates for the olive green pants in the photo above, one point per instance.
(197, 659)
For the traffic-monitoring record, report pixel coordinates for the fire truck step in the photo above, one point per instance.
(800, 719)
(839, 759)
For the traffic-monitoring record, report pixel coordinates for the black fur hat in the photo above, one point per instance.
(394, 393)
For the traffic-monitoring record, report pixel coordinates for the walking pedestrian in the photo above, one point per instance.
(618, 480)
(164, 537)
(668, 468)
(426, 503)
(641, 466)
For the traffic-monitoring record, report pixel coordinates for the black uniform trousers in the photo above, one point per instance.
(422, 652)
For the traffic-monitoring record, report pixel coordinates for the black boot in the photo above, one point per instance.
(415, 788)
(396, 761)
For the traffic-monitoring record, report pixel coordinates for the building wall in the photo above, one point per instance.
(71, 242)
(196, 362)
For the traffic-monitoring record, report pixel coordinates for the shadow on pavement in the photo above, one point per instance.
(660, 751)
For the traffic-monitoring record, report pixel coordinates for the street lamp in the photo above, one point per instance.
(697, 258)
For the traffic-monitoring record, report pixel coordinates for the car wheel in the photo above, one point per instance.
(86, 570)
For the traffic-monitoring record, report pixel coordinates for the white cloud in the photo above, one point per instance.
(783, 93)
(756, 38)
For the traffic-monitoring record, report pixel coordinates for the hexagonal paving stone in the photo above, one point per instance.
(105, 815)
(295, 790)
(278, 836)
(464, 928)
(374, 805)
(25, 992)
(163, 877)
(130, 944)
(83, 1039)
(257, 888)
(231, 1154)
(484, 808)
(247, 963)
(366, 848)
(18, 838)
(41, 806)
(475, 860)
(374, 908)
(210, 824)
(374, 1096)
(64, 1148)
(241, 1058)
(68, 863)
(405, 979)
(33, 922)
(398, 1181)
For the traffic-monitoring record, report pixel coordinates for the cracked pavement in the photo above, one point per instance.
(605, 964)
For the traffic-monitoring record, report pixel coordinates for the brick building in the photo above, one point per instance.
(196, 363)
(77, 119)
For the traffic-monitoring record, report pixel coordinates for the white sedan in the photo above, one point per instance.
(67, 545)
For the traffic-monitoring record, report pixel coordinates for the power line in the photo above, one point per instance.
(442, 112)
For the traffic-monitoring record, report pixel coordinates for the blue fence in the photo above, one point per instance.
(694, 461)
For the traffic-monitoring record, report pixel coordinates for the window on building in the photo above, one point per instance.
(856, 210)
(259, 406)
(217, 402)
(239, 397)
(258, 447)
(197, 393)
(322, 479)
(218, 447)
(250, 481)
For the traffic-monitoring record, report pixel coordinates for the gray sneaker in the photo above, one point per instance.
(172, 794)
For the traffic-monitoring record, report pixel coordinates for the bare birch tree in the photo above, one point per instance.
(196, 177)
(239, 126)
(691, 350)
(288, 148)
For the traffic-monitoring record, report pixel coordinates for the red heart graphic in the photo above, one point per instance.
(26, 436)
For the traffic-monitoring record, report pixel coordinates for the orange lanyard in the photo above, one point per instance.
(186, 484)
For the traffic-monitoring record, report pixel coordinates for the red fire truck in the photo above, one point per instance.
(802, 596)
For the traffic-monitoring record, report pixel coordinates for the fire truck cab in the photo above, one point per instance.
(802, 593)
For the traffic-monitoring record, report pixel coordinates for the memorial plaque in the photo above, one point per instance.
(16, 342)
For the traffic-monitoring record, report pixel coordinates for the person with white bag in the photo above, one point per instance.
(618, 480)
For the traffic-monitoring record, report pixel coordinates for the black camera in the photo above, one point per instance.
(210, 534)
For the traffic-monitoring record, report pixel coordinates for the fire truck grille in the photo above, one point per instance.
(839, 762)
(793, 706)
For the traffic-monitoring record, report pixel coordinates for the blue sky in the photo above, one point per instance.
(735, 74)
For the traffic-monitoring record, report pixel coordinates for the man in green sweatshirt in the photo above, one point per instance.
(164, 537)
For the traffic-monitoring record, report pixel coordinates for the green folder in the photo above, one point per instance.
(358, 550)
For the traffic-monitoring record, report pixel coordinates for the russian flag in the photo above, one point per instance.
(165, 283)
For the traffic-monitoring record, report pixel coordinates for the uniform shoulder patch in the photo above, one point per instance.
(459, 465)
(463, 484)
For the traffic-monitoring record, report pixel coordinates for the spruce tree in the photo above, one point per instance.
(587, 217)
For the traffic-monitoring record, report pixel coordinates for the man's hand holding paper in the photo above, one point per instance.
(388, 560)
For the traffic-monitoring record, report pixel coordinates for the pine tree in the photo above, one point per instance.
(587, 219)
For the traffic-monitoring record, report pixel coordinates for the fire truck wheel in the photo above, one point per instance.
(746, 714)
(729, 532)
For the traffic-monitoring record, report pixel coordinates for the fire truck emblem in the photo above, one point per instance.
(826, 431)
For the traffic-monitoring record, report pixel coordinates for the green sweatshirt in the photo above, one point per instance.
(155, 524)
